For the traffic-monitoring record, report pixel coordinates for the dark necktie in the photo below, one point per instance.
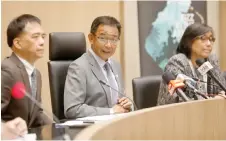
(33, 83)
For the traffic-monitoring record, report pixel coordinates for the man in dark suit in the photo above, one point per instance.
(84, 94)
(25, 37)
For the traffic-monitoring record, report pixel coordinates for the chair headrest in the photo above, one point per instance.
(66, 45)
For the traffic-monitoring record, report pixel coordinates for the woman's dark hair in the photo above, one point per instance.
(105, 20)
(17, 25)
(190, 33)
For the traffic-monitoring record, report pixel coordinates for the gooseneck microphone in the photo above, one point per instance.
(206, 67)
(19, 91)
(199, 80)
(122, 94)
(190, 83)
(174, 85)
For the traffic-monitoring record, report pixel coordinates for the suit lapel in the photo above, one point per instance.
(26, 82)
(99, 75)
(23, 72)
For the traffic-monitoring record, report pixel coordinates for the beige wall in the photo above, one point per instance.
(57, 16)
(216, 18)
(213, 21)
(131, 45)
(222, 37)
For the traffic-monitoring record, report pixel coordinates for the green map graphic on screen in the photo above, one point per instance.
(167, 30)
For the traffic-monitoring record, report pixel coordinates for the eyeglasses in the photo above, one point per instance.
(204, 38)
(104, 40)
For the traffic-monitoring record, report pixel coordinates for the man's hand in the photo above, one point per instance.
(125, 103)
(13, 128)
(119, 109)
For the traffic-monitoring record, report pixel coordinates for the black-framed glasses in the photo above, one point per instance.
(105, 39)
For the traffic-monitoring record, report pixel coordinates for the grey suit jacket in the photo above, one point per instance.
(13, 71)
(84, 95)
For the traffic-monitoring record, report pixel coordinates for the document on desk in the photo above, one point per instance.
(99, 118)
(89, 120)
(74, 123)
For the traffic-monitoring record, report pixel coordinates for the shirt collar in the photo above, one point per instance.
(100, 61)
(29, 68)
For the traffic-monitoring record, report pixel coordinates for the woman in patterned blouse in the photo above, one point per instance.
(196, 43)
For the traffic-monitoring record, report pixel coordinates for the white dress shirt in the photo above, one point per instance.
(29, 68)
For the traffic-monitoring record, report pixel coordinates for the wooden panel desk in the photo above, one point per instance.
(204, 119)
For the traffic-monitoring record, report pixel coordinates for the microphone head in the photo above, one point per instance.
(199, 62)
(167, 77)
(18, 90)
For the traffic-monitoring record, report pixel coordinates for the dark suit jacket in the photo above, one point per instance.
(14, 71)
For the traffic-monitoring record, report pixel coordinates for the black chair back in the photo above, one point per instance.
(146, 90)
(64, 48)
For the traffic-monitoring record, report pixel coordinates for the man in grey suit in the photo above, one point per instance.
(85, 94)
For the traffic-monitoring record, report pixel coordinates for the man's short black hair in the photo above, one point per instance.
(105, 20)
(190, 33)
(17, 25)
